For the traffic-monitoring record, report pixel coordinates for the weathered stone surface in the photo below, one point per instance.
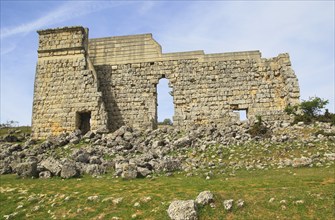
(53, 165)
(92, 85)
(183, 210)
(129, 171)
(204, 198)
(153, 151)
(5, 167)
(27, 169)
(228, 204)
(143, 171)
(10, 138)
(69, 170)
(94, 169)
(301, 162)
(45, 175)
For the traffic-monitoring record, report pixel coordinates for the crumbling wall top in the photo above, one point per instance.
(62, 29)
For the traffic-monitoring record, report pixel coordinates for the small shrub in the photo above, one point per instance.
(259, 129)
(166, 121)
(291, 109)
(313, 106)
(310, 111)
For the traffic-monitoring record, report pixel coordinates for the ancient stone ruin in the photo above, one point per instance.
(105, 83)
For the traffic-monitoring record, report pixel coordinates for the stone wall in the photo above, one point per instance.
(207, 88)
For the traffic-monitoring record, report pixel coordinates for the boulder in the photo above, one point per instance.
(27, 169)
(204, 198)
(94, 169)
(143, 171)
(5, 167)
(10, 138)
(69, 170)
(89, 135)
(81, 156)
(52, 165)
(129, 171)
(168, 165)
(183, 210)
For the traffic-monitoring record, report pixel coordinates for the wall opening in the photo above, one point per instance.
(242, 114)
(83, 121)
(165, 106)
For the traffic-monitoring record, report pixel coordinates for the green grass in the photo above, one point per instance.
(21, 130)
(67, 199)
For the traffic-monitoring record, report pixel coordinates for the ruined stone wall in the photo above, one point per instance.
(65, 85)
(116, 79)
(203, 92)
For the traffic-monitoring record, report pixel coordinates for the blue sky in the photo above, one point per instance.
(304, 29)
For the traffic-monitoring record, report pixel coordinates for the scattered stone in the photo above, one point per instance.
(69, 170)
(283, 201)
(146, 199)
(240, 203)
(117, 200)
(330, 156)
(45, 175)
(10, 138)
(89, 135)
(27, 169)
(182, 142)
(302, 162)
(127, 136)
(182, 210)
(228, 204)
(143, 171)
(52, 165)
(93, 198)
(35, 208)
(129, 171)
(298, 202)
(204, 198)
(94, 169)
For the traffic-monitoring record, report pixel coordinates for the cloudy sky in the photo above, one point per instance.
(304, 29)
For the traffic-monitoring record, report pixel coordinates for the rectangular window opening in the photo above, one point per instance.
(242, 114)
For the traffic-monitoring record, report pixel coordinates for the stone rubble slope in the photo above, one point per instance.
(130, 153)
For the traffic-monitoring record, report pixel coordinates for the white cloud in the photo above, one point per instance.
(66, 11)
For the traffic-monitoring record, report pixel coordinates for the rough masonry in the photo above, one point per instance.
(105, 83)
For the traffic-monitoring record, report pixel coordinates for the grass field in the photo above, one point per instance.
(299, 193)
